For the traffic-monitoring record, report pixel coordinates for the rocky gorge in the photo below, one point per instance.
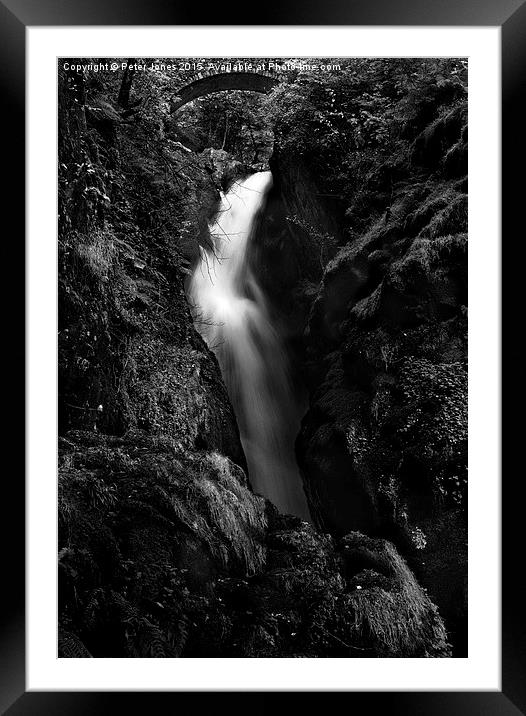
(165, 550)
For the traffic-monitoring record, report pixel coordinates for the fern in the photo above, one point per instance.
(71, 647)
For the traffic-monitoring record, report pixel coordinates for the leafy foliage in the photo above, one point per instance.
(387, 331)
(347, 121)
(164, 551)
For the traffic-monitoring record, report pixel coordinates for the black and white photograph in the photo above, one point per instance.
(262, 357)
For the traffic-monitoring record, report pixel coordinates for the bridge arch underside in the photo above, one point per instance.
(248, 81)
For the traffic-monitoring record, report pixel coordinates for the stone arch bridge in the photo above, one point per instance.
(208, 83)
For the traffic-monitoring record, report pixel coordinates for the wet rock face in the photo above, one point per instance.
(293, 237)
(383, 445)
(390, 413)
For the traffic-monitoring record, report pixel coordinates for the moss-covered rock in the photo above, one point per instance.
(165, 552)
(133, 210)
(383, 445)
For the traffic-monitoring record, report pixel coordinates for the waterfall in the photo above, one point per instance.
(231, 314)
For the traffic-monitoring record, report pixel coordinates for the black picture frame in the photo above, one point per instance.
(510, 15)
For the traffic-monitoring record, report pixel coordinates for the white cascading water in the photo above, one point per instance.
(231, 314)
